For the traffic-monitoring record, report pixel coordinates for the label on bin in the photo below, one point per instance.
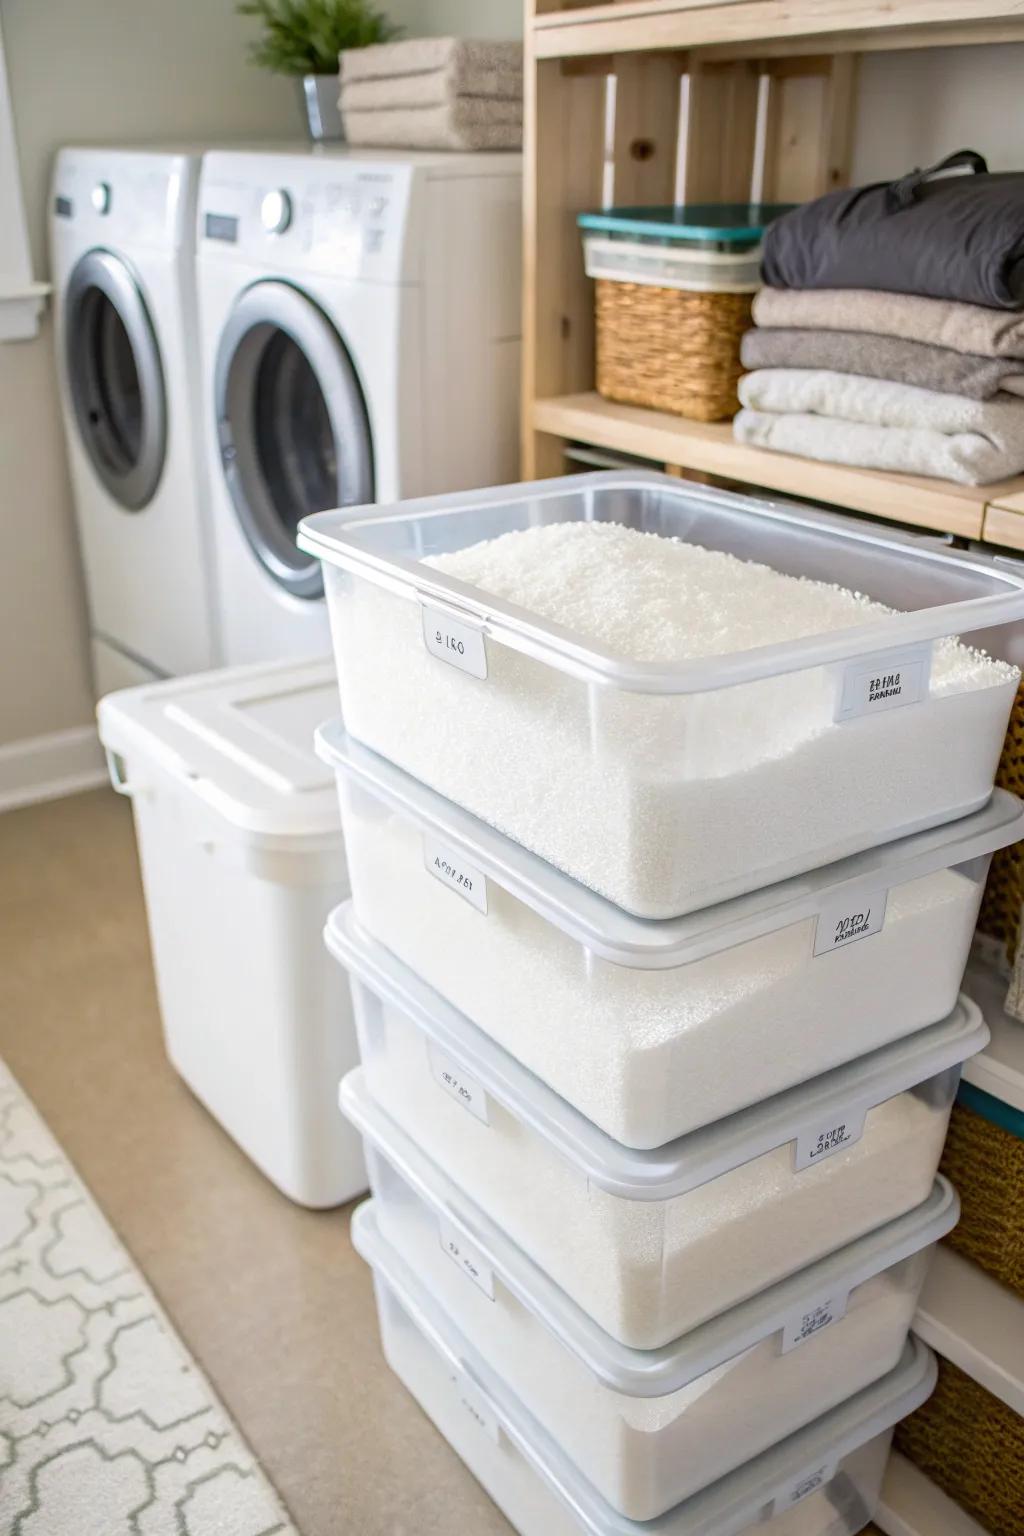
(453, 871)
(847, 919)
(466, 1257)
(803, 1325)
(465, 1089)
(459, 644)
(476, 1406)
(821, 1141)
(888, 680)
(805, 1486)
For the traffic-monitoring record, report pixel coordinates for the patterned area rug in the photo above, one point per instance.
(107, 1425)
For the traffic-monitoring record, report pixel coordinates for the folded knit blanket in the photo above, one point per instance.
(884, 357)
(467, 123)
(429, 89)
(840, 418)
(463, 57)
(940, 322)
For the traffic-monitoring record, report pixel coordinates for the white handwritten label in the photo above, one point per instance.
(818, 1142)
(887, 680)
(463, 1088)
(453, 871)
(803, 1325)
(805, 1486)
(476, 1405)
(459, 644)
(466, 1257)
(847, 919)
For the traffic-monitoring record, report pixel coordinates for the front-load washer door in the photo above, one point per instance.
(115, 377)
(292, 425)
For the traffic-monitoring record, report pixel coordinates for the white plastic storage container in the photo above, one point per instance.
(242, 858)
(824, 1480)
(652, 1244)
(666, 265)
(648, 1428)
(652, 1029)
(667, 786)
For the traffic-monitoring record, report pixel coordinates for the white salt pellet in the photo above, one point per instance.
(664, 803)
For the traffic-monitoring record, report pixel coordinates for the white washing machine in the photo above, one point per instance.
(360, 325)
(122, 226)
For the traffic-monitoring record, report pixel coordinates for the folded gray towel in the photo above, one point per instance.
(940, 322)
(429, 89)
(462, 56)
(884, 357)
(840, 418)
(468, 123)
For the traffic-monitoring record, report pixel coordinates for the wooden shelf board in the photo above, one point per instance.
(978, 1324)
(913, 1506)
(641, 25)
(999, 1068)
(911, 499)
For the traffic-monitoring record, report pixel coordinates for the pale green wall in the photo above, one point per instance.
(458, 18)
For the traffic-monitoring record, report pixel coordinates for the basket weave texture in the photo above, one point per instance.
(670, 349)
(985, 1163)
(1003, 900)
(971, 1445)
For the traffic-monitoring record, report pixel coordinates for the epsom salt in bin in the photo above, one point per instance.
(242, 858)
(673, 289)
(650, 1428)
(823, 1480)
(652, 1244)
(652, 1029)
(671, 720)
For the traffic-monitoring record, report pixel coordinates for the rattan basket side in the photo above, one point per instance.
(985, 1163)
(1004, 893)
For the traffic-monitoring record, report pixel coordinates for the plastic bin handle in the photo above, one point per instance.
(119, 780)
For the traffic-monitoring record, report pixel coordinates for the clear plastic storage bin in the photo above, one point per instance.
(651, 1244)
(653, 1029)
(650, 1428)
(824, 1480)
(668, 786)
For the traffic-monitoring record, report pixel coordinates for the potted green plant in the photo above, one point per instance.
(304, 38)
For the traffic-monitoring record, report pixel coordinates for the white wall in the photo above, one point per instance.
(78, 70)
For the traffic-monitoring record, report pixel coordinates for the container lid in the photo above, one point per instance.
(663, 943)
(647, 1372)
(689, 223)
(241, 740)
(933, 592)
(748, 1497)
(833, 1098)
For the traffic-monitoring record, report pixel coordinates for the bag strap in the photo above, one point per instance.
(900, 194)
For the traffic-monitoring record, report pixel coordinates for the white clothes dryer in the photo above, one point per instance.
(360, 335)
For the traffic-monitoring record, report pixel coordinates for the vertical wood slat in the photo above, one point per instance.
(646, 128)
(810, 120)
(719, 133)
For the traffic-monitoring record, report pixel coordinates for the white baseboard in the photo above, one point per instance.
(47, 767)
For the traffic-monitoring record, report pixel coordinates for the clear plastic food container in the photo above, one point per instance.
(652, 1244)
(652, 1029)
(824, 1480)
(667, 786)
(648, 1428)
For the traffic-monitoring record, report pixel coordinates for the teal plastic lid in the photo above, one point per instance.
(725, 223)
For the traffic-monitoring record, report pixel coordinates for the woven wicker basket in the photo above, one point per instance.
(971, 1445)
(670, 349)
(984, 1159)
(1004, 894)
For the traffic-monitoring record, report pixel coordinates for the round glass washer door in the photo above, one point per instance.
(115, 377)
(292, 424)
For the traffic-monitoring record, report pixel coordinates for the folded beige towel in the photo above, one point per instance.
(468, 123)
(940, 322)
(431, 88)
(840, 418)
(462, 57)
(884, 357)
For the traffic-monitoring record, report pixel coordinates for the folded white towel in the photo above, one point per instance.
(468, 123)
(461, 56)
(874, 424)
(431, 88)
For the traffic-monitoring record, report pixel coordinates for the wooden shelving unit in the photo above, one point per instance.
(641, 101)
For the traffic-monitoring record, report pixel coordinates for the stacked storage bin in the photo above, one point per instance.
(655, 1079)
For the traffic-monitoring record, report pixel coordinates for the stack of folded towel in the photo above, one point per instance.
(891, 335)
(434, 93)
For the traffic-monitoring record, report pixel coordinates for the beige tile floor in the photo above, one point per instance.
(271, 1299)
